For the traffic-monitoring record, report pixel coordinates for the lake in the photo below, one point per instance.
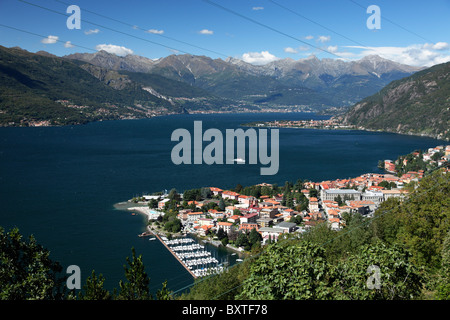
(61, 183)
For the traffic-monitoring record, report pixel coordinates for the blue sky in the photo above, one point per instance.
(412, 32)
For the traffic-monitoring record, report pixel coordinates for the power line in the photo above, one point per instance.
(269, 27)
(316, 23)
(42, 36)
(105, 27)
(393, 22)
(142, 29)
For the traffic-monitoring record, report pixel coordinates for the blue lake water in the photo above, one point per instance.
(61, 183)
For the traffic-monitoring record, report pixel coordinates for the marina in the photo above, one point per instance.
(193, 256)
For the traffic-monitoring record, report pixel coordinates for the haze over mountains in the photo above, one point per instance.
(307, 81)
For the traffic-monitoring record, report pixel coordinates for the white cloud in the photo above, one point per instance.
(91, 31)
(290, 50)
(296, 50)
(309, 37)
(257, 8)
(154, 31)
(50, 40)
(437, 46)
(206, 31)
(68, 44)
(423, 55)
(332, 49)
(259, 58)
(324, 39)
(117, 50)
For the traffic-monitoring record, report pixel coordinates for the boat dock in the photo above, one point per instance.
(192, 256)
(176, 257)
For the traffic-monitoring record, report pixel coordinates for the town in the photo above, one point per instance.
(246, 217)
(332, 123)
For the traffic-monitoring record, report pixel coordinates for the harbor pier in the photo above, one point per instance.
(192, 256)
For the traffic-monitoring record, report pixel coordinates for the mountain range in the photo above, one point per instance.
(50, 90)
(307, 81)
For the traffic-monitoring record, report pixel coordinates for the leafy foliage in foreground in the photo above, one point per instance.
(287, 271)
(26, 271)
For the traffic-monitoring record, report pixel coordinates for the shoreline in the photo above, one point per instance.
(144, 209)
(423, 135)
(432, 136)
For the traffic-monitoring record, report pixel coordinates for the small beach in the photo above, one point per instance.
(228, 253)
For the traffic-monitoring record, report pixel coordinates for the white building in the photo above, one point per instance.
(272, 233)
(375, 196)
(331, 194)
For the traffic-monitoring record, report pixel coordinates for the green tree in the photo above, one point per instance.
(242, 241)
(26, 270)
(206, 193)
(254, 238)
(296, 219)
(313, 192)
(420, 222)
(153, 203)
(173, 195)
(164, 293)
(298, 185)
(287, 187)
(443, 288)
(284, 200)
(221, 204)
(290, 201)
(93, 289)
(221, 234)
(339, 200)
(302, 201)
(356, 232)
(377, 272)
(387, 222)
(266, 191)
(256, 192)
(385, 184)
(287, 270)
(237, 212)
(173, 225)
(137, 285)
(438, 155)
(224, 241)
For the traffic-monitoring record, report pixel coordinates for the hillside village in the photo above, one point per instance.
(222, 215)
